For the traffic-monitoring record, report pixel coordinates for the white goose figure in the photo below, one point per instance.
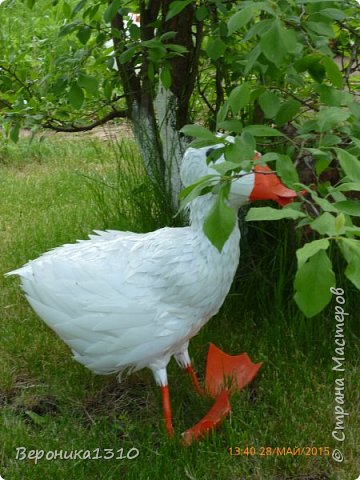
(124, 300)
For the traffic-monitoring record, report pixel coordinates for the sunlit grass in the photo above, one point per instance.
(58, 191)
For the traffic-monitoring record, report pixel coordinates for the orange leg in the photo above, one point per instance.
(167, 409)
(183, 360)
(191, 372)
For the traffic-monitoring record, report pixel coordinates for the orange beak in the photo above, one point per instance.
(268, 187)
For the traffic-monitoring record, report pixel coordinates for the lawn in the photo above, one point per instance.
(59, 190)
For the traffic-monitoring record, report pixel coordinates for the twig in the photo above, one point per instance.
(315, 210)
(85, 128)
(13, 74)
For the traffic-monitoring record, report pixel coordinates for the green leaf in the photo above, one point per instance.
(305, 62)
(349, 163)
(322, 162)
(168, 36)
(269, 213)
(111, 10)
(286, 169)
(312, 64)
(251, 59)
(330, 140)
(108, 89)
(128, 54)
(89, 83)
(333, 13)
(239, 97)
(354, 107)
(348, 187)
(83, 34)
(76, 96)
(330, 117)
(324, 203)
(335, 195)
(231, 125)
(5, 83)
(165, 76)
(312, 284)
(309, 249)
(134, 32)
(78, 7)
(316, 152)
(240, 19)
(194, 190)
(248, 141)
(269, 157)
(68, 28)
(329, 95)
(350, 207)
(340, 222)
(332, 71)
(317, 71)
(14, 132)
(350, 249)
(201, 13)
(262, 131)
(199, 143)
(325, 224)
(66, 10)
(277, 43)
(269, 103)
(353, 230)
(220, 222)
(200, 182)
(224, 167)
(356, 142)
(239, 151)
(321, 28)
(287, 111)
(258, 29)
(197, 131)
(214, 156)
(314, 1)
(177, 7)
(91, 11)
(222, 113)
(176, 48)
(215, 48)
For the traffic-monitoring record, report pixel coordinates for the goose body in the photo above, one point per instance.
(131, 300)
(124, 301)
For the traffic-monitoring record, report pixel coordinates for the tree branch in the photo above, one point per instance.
(203, 96)
(129, 80)
(85, 128)
(14, 75)
(194, 62)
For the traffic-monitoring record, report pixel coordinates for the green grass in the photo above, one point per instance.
(49, 402)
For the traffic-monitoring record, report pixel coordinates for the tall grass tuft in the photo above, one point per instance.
(124, 196)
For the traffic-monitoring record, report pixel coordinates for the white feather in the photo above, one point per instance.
(126, 300)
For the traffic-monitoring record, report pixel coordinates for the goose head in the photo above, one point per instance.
(261, 183)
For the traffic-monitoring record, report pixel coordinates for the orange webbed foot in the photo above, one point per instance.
(212, 419)
(232, 372)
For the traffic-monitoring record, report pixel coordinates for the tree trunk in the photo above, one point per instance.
(173, 144)
(157, 117)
